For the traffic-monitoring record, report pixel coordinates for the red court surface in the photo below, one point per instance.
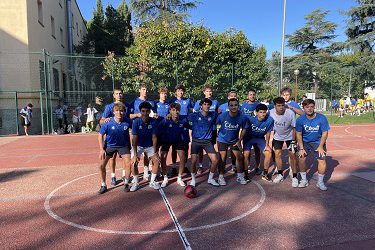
(48, 199)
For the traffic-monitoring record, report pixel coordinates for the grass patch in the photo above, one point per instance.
(350, 119)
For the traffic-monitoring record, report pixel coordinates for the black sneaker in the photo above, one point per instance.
(258, 171)
(246, 177)
(266, 177)
(102, 189)
(126, 188)
(113, 181)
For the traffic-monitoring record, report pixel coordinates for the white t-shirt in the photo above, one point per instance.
(283, 125)
(90, 114)
(59, 113)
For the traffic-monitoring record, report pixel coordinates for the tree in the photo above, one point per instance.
(171, 11)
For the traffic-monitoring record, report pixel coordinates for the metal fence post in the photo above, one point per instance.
(41, 111)
(46, 87)
(16, 103)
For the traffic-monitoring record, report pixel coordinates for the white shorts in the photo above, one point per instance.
(140, 150)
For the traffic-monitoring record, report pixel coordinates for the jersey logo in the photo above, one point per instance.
(209, 118)
(158, 106)
(150, 126)
(140, 126)
(199, 119)
(181, 125)
(113, 127)
(184, 102)
(170, 125)
(125, 127)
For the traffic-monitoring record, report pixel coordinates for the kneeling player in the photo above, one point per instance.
(172, 132)
(117, 139)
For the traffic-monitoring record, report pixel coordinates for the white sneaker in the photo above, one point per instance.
(241, 180)
(192, 183)
(134, 187)
(321, 186)
(279, 178)
(294, 182)
(154, 185)
(213, 182)
(303, 183)
(164, 183)
(221, 181)
(181, 183)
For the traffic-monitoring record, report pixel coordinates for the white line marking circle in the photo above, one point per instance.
(58, 218)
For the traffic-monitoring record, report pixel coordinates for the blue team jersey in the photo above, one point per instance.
(162, 108)
(312, 129)
(202, 125)
(248, 109)
(172, 131)
(213, 108)
(108, 110)
(259, 129)
(144, 131)
(186, 105)
(134, 106)
(294, 105)
(117, 134)
(230, 127)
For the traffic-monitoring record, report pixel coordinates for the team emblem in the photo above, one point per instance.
(140, 126)
(184, 102)
(125, 127)
(199, 119)
(113, 127)
(170, 125)
(181, 125)
(209, 119)
(150, 126)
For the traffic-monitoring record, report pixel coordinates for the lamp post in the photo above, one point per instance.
(296, 73)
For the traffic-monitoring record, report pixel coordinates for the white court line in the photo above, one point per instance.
(175, 221)
(358, 136)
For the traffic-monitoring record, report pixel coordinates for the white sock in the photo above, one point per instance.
(123, 173)
(153, 176)
(165, 177)
(200, 165)
(211, 175)
(193, 177)
(239, 175)
(145, 168)
(113, 175)
(150, 165)
(221, 176)
(179, 178)
(103, 184)
(135, 179)
(320, 178)
(126, 181)
(303, 175)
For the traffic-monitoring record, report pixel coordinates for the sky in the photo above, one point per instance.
(260, 20)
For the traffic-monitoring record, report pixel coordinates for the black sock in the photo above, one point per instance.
(294, 175)
(280, 172)
(265, 171)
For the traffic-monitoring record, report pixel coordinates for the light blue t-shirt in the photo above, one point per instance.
(248, 109)
(312, 129)
(294, 105)
(230, 127)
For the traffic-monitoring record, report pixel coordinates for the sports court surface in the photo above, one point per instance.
(48, 199)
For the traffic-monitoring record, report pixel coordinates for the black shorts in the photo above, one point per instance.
(175, 146)
(24, 122)
(214, 137)
(224, 146)
(279, 144)
(197, 145)
(121, 151)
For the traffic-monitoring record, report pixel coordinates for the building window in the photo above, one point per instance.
(1, 122)
(64, 85)
(53, 27)
(41, 75)
(62, 37)
(72, 21)
(40, 12)
(77, 29)
(56, 82)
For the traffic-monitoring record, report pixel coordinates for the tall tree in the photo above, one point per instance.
(170, 11)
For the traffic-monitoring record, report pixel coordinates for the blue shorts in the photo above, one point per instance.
(312, 147)
(258, 142)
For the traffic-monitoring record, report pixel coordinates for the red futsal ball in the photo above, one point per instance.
(190, 191)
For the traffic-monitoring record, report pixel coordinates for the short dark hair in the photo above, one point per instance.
(279, 100)
(119, 105)
(179, 86)
(232, 91)
(145, 105)
(233, 100)
(163, 90)
(207, 87)
(286, 89)
(118, 89)
(304, 96)
(307, 102)
(252, 90)
(205, 100)
(143, 85)
(176, 106)
(30, 105)
(261, 106)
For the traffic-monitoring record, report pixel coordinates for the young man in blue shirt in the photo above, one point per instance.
(312, 133)
(117, 140)
(162, 106)
(258, 135)
(171, 134)
(136, 112)
(201, 125)
(231, 122)
(286, 93)
(107, 114)
(207, 92)
(144, 131)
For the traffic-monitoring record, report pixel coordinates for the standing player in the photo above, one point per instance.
(284, 132)
(171, 134)
(26, 114)
(207, 91)
(286, 93)
(107, 114)
(312, 133)
(248, 109)
(135, 112)
(230, 125)
(162, 106)
(186, 108)
(202, 123)
(258, 135)
(144, 132)
(116, 132)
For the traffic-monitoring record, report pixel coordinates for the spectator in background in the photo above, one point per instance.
(359, 107)
(26, 115)
(75, 121)
(59, 112)
(90, 112)
(65, 115)
(353, 106)
(79, 113)
(335, 105)
(304, 97)
(367, 102)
